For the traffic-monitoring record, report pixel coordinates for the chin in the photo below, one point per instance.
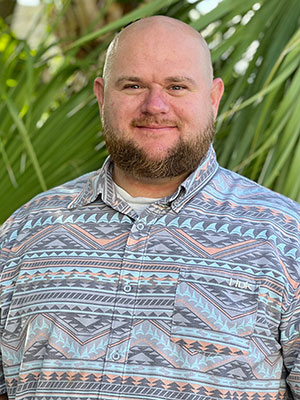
(157, 154)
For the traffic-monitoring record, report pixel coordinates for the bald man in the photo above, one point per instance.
(162, 275)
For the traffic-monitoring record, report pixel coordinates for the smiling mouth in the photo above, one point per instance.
(155, 127)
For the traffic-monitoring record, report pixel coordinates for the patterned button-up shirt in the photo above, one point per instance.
(195, 299)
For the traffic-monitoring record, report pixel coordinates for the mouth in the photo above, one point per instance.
(156, 127)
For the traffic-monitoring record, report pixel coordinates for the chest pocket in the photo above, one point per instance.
(214, 314)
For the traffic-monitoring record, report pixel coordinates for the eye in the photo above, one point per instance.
(132, 86)
(177, 88)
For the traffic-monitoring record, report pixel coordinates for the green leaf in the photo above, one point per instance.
(25, 136)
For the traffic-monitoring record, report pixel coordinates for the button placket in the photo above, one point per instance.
(124, 305)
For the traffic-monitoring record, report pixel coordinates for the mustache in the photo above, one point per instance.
(154, 120)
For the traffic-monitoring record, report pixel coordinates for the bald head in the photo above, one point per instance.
(158, 28)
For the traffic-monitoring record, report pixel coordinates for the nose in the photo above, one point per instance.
(155, 102)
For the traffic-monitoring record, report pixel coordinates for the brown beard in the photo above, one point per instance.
(181, 159)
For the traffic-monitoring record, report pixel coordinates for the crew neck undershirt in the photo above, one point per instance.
(139, 204)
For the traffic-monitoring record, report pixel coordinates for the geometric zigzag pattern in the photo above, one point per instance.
(195, 299)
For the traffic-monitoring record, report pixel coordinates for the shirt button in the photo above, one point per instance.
(140, 226)
(127, 288)
(115, 356)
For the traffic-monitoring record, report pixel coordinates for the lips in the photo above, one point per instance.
(154, 124)
(158, 127)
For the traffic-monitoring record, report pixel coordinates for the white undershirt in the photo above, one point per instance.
(139, 204)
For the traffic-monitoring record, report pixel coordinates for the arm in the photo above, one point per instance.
(2, 396)
(290, 340)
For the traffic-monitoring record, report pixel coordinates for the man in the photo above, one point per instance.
(161, 276)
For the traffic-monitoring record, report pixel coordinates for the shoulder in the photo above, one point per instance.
(50, 202)
(253, 211)
(247, 193)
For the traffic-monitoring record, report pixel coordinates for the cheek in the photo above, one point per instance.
(189, 115)
(121, 110)
(197, 114)
(112, 112)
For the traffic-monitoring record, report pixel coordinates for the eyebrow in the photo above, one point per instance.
(169, 79)
(177, 79)
(125, 78)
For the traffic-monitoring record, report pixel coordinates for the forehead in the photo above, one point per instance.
(159, 49)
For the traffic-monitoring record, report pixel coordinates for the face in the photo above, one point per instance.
(158, 104)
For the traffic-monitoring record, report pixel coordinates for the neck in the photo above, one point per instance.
(146, 187)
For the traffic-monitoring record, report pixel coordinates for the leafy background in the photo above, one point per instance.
(49, 124)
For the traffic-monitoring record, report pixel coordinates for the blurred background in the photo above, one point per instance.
(52, 50)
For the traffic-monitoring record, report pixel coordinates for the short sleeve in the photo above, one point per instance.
(290, 342)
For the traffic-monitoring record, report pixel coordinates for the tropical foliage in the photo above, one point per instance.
(49, 125)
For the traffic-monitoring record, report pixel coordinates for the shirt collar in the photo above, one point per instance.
(195, 181)
(100, 183)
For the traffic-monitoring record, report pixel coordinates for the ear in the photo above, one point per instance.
(216, 94)
(99, 91)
